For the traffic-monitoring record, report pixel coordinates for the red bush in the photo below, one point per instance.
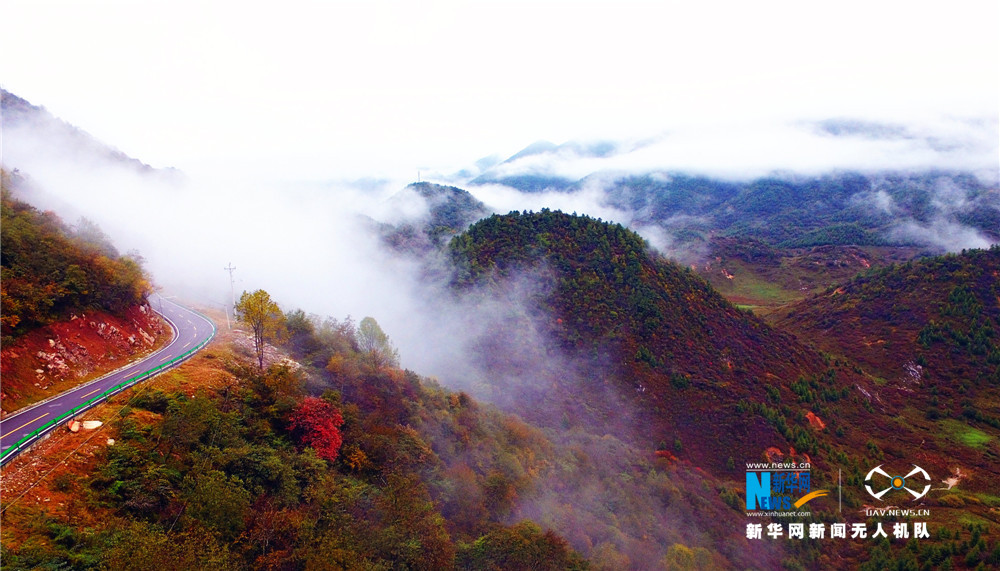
(317, 424)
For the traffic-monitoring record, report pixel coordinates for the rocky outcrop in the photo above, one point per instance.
(58, 356)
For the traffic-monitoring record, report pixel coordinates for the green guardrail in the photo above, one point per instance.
(11, 452)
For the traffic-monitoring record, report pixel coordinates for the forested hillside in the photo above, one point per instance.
(716, 386)
(940, 313)
(72, 306)
(654, 332)
(353, 466)
(628, 451)
(927, 331)
(50, 270)
(612, 292)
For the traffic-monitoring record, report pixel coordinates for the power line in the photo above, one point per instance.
(232, 288)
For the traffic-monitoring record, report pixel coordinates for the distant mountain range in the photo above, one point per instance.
(938, 208)
(859, 208)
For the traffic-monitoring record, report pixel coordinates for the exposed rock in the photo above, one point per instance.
(774, 454)
(914, 372)
(73, 349)
(952, 481)
(815, 421)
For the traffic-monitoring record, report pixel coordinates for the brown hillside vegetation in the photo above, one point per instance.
(715, 385)
(50, 270)
(928, 334)
(71, 307)
(670, 346)
(938, 316)
(209, 468)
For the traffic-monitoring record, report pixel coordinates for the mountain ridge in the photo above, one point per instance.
(66, 139)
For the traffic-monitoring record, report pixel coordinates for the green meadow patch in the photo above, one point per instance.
(964, 434)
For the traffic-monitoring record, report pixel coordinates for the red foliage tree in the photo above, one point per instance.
(317, 424)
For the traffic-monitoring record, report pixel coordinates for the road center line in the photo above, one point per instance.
(90, 393)
(25, 424)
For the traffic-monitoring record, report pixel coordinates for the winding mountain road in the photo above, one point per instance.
(192, 331)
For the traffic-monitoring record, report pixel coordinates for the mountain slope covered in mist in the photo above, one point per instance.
(414, 477)
(711, 384)
(668, 344)
(71, 307)
(51, 270)
(40, 134)
(433, 213)
(638, 390)
(419, 477)
(839, 208)
(610, 291)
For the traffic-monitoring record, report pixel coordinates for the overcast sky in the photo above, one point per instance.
(376, 88)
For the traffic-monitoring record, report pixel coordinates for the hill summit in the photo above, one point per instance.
(658, 333)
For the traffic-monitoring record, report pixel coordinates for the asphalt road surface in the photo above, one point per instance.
(190, 331)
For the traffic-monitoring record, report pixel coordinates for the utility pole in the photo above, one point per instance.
(232, 288)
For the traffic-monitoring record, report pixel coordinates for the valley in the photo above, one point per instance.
(596, 378)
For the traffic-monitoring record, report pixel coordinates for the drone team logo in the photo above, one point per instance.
(910, 482)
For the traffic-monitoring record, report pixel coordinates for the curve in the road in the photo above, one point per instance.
(192, 331)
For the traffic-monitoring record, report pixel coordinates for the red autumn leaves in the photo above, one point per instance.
(317, 424)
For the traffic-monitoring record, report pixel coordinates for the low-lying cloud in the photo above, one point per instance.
(750, 150)
(941, 233)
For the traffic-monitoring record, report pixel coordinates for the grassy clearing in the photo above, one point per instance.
(766, 291)
(988, 499)
(964, 434)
